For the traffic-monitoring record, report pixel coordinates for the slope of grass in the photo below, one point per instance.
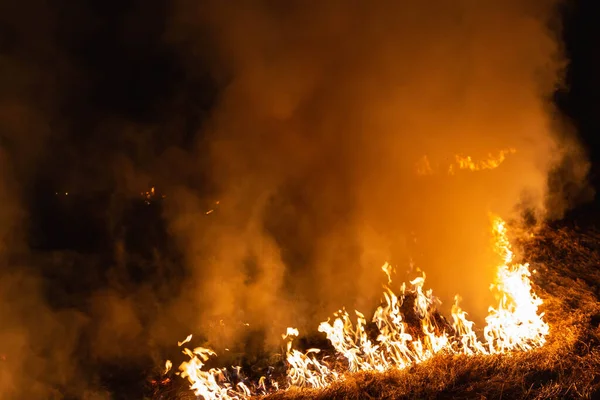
(567, 262)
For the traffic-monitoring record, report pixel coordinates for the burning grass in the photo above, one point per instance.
(568, 280)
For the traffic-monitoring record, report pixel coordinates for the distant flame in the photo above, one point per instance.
(466, 162)
(513, 325)
(423, 166)
(462, 162)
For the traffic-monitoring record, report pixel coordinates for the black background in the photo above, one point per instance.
(581, 98)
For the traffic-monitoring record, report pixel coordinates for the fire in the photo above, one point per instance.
(423, 166)
(491, 162)
(462, 162)
(513, 325)
(150, 196)
(304, 370)
(215, 383)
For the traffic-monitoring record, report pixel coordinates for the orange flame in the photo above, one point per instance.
(514, 324)
(466, 162)
(462, 162)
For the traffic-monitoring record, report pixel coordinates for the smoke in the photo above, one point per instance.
(299, 146)
(29, 365)
(67, 311)
(326, 111)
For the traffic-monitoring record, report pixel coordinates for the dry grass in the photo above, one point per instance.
(567, 367)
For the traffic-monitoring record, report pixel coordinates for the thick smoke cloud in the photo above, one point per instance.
(36, 343)
(64, 314)
(288, 139)
(315, 143)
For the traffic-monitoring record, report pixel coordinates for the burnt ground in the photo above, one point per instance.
(566, 257)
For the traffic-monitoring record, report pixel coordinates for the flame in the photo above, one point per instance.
(168, 366)
(466, 162)
(423, 166)
(388, 269)
(186, 340)
(304, 370)
(211, 384)
(462, 162)
(513, 325)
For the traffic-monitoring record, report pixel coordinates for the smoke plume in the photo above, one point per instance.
(63, 312)
(336, 141)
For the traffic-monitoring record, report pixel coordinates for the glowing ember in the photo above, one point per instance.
(514, 324)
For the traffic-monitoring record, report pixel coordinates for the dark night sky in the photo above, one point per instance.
(582, 99)
(95, 68)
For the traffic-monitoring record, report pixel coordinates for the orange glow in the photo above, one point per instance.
(491, 162)
(513, 325)
(462, 162)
